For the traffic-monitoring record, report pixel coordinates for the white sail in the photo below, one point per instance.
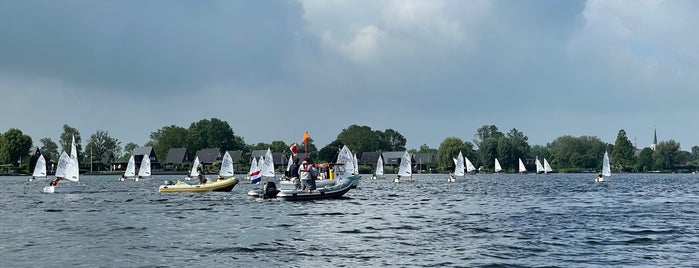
(547, 167)
(522, 169)
(63, 163)
(459, 169)
(288, 164)
(469, 166)
(606, 168)
(498, 168)
(253, 166)
(193, 173)
(130, 168)
(379, 166)
(226, 166)
(405, 169)
(40, 167)
(539, 166)
(346, 158)
(73, 169)
(355, 162)
(144, 171)
(267, 168)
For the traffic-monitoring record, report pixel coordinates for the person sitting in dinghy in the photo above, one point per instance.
(55, 181)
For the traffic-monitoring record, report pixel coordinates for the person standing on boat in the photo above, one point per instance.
(55, 181)
(306, 173)
(200, 174)
(294, 168)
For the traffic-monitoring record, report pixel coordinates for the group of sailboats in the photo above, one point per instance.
(143, 172)
(545, 168)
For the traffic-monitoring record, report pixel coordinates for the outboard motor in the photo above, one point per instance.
(269, 190)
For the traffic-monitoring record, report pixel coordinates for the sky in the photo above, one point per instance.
(427, 69)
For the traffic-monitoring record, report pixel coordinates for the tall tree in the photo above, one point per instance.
(165, 138)
(100, 142)
(486, 132)
(212, 133)
(519, 143)
(49, 149)
(128, 151)
(448, 150)
(359, 139)
(14, 146)
(667, 155)
(623, 152)
(695, 153)
(645, 160)
(426, 149)
(390, 140)
(67, 137)
(330, 151)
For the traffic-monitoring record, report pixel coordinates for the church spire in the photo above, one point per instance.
(655, 139)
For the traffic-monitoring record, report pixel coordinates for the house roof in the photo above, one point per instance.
(177, 156)
(235, 155)
(209, 155)
(392, 158)
(369, 158)
(278, 158)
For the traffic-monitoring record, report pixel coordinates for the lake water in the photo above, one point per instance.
(487, 220)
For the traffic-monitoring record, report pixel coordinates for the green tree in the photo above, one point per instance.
(623, 152)
(359, 139)
(330, 151)
(667, 155)
(279, 147)
(486, 132)
(128, 150)
(695, 153)
(49, 149)
(14, 147)
(212, 133)
(578, 152)
(448, 150)
(645, 160)
(163, 139)
(424, 149)
(100, 142)
(390, 140)
(519, 144)
(67, 138)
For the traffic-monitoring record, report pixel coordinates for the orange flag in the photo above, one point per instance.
(305, 137)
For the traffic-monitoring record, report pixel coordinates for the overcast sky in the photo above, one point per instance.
(427, 69)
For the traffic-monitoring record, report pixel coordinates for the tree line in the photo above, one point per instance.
(565, 153)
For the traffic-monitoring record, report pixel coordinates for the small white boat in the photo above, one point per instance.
(405, 172)
(39, 168)
(470, 168)
(547, 167)
(335, 191)
(539, 166)
(144, 170)
(606, 169)
(378, 174)
(498, 168)
(68, 168)
(458, 169)
(130, 172)
(522, 169)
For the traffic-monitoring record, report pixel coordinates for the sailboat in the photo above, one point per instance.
(458, 169)
(70, 172)
(378, 174)
(130, 172)
(267, 167)
(253, 168)
(194, 173)
(522, 169)
(606, 169)
(355, 162)
(144, 171)
(547, 167)
(539, 166)
(498, 168)
(39, 168)
(226, 166)
(405, 169)
(470, 168)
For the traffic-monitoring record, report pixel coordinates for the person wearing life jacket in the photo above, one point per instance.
(55, 181)
(307, 174)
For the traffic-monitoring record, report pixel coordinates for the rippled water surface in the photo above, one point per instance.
(554, 220)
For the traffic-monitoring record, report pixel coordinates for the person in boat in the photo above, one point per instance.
(600, 177)
(55, 181)
(122, 178)
(200, 174)
(294, 169)
(308, 173)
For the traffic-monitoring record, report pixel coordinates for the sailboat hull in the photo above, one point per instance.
(64, 189)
